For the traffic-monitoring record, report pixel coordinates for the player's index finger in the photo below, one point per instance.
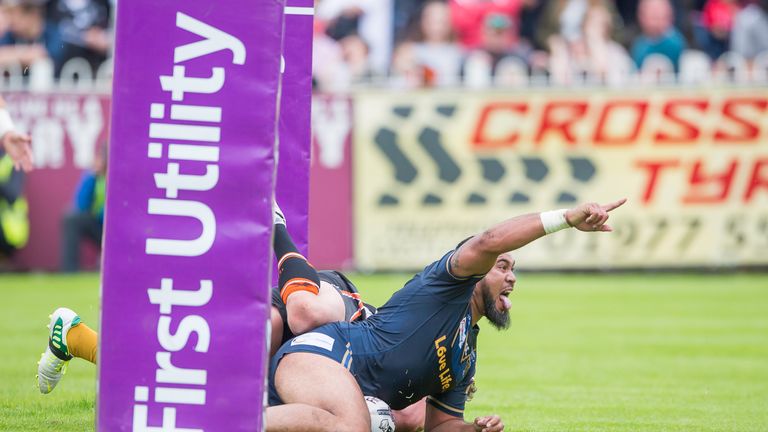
(615, 204)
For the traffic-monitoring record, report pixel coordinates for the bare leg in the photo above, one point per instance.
(307, 311)
(319, 395)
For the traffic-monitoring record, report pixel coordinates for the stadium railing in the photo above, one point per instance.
(696, 68)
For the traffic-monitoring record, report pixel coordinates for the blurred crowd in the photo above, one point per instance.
(417, 43)
(436, 43)
(57, 30)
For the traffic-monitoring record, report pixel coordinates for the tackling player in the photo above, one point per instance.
(420, 343)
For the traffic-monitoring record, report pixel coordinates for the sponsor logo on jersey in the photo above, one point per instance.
(444, 373)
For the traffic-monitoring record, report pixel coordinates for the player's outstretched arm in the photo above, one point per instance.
(478, 254)
(438, 421)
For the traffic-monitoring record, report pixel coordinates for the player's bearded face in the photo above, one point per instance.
(498, 318)
(495, 289)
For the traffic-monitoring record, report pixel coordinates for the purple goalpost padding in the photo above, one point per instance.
(187, 250)
(295, 118)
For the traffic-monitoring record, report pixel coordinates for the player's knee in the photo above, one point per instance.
(305, 315)
(303, 323)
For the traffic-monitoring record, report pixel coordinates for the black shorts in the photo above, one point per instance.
(354, 307)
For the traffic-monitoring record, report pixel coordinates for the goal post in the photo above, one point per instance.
(188, 228)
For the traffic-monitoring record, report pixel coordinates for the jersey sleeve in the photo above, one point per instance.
(437, 279)
(441, 271)
(452, 402)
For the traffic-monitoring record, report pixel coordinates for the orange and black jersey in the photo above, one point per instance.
(354, 307)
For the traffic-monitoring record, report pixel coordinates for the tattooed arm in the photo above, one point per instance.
(478, 254)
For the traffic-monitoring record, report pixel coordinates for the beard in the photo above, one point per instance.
(498, 319)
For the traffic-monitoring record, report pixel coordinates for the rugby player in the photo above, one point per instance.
(420, 343)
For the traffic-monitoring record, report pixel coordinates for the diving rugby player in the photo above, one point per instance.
(422, 342)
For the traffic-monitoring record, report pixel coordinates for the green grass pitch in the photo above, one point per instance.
(642, 352)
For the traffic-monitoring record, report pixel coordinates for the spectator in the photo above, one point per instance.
(658, 34)
(328, 70)
(337, 65)
(85, 29)
(684, 11)
(369, 19)
(87, 218)
(502, 59)
(469, 18)
(501, 40)
(343, 18)
(355, 57)
(14, 224)
(750, 30)
(713, 33)
(562, 22)
(430, 55)
(406, 70)
(594, 53)
(29, 37)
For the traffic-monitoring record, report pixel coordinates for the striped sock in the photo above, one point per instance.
(294, 272)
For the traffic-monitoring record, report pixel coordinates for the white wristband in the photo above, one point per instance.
(6, 124)
(554, 220)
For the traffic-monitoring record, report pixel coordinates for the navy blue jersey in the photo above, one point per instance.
(420, 343)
